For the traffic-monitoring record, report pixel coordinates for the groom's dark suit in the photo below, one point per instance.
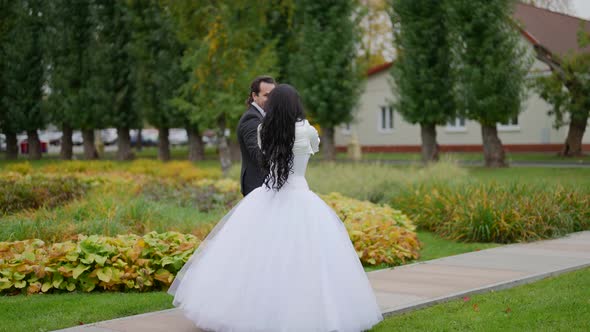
(251, 176)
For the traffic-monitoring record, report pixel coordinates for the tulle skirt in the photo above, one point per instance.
(278, 262)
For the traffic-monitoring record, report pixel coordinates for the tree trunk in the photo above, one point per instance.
(573, 142)
(124, 144)
(90, 152)
(163, 144)
(34, 144)
(67, 146)
(327, 144)
(493, 150)
(11, 146)
(234, 150)
(224, 151)
(196, 148)
(430, 149)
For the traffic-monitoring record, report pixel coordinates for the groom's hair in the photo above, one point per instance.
(255, 87)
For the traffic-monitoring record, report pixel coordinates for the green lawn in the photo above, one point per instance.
(560, 303)
(50, 311)
(473, 156)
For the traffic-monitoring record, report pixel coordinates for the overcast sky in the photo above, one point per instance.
(582, 8)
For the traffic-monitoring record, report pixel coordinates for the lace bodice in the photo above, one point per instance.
(307, 142)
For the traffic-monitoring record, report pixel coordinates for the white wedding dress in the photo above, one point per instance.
(278, 262)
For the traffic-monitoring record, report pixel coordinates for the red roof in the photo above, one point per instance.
(556, 32)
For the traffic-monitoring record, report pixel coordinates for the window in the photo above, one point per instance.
(386, 119)
(511, 124)
(457, 124)
(345, 128)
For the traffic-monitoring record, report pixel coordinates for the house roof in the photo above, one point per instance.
(556, 32)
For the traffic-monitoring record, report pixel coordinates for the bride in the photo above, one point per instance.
(281, 259)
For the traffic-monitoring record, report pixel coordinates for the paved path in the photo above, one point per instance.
(418, 285)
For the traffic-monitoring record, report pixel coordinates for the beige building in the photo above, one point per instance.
(379, 128)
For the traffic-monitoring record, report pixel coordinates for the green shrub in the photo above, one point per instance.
(502, 213)
(125, 262)
(32, 192)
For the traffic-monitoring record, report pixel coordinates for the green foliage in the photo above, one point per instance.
(157, 56)
(22, 69)
(76, 60)
(491, 64)
(124, 262)
(118, 65)
(224, 50)
(502, 213)
(18, 193)
(422, 70)
(324, 69)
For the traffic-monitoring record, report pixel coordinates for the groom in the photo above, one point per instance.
(252, 176)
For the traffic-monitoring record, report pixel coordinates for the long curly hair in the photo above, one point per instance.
(283, 108)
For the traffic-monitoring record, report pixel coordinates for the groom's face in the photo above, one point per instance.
(265, 89)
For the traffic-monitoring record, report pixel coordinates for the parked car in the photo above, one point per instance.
(178, 136)
(149, 137)
(52, 137)
(77, 138)
(109, 136)
(2, 142)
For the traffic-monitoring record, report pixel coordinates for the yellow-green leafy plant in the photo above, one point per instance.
(379, 233)
(124, 262)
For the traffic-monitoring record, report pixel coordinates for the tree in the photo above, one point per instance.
(8, 116)
(118, 85)
(567, 89)
(73, 72)
(226, 50)
(422, 71)
(190, 30)
(24, 74)
(157, 54)
(491, 68)
(325, 70)
(281, 28)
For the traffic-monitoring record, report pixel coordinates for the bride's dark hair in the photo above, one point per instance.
(283, 108)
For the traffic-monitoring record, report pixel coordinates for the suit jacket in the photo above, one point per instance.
(252, 175)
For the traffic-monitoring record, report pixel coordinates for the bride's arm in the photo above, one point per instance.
(314, 139)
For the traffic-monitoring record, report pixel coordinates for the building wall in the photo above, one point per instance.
(534, 130)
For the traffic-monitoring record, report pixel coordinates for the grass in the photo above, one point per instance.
(560, 303)
(104, 212)
(434, 247)
(49, 312)
(474, 156)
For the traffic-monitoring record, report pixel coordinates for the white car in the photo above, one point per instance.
(53, 137)
(109, 136)
(178, 136)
